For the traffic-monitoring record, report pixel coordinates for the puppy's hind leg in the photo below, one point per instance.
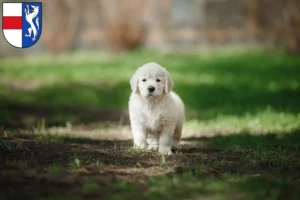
(177, 136)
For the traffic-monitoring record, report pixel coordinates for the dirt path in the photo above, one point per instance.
(33, 168)
(78, 168)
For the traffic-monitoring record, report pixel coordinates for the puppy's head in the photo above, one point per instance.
(151, 81)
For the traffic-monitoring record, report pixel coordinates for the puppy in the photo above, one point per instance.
(156, 113)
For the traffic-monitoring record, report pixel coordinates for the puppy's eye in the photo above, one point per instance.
(157, 80)
(144, 80)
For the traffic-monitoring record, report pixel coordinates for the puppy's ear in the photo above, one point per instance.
(168, 82)
(134, 83)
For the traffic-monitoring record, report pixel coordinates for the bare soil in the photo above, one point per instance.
(31, 169)
(90, 169)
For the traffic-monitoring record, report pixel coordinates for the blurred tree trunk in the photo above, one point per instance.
(252, 22)
(291, 26)
(124, 23)
(61, 24)
(276, 21)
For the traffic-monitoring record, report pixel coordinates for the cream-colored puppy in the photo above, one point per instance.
(156, 113)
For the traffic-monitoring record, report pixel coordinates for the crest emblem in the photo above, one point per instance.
(22, 23)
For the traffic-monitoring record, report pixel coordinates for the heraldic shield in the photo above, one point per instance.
(22, 23)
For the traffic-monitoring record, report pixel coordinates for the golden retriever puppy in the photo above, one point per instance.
(156, 113)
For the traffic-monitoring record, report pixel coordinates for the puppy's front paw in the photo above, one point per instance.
(140, 145)
(166, 150)
(153, 147)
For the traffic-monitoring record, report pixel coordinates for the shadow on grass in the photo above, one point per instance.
(250, 141)
(88, 104)
(212, 101)
(77, 104)
(234, 85)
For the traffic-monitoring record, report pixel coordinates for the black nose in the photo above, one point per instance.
(151, 88)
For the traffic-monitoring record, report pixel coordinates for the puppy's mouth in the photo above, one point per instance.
(151, 95)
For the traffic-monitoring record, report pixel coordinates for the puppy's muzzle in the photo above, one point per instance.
(151, 89)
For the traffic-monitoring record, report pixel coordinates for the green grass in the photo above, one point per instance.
(90, 187)
(233, 92)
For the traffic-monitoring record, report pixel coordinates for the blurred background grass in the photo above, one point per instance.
(223, 91)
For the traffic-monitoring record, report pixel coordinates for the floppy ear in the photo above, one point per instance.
(168, 83)
(134, 83)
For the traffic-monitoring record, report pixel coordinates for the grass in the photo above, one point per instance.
(5, 144)
(241, 134)
(246, 90)
(90, 187)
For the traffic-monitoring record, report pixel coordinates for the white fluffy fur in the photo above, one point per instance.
(156, 117)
